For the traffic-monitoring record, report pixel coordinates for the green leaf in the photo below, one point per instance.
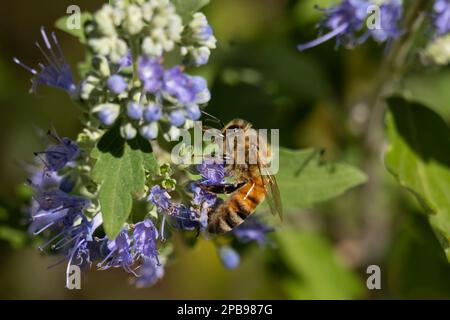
(186, 8)
(61, 24)
(120, 171)
(430, 89)
(419, 158)
(318, 271)
(304, 180)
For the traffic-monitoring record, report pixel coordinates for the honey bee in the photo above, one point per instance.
(252, 182)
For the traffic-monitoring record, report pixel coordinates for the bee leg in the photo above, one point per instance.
(224, 188)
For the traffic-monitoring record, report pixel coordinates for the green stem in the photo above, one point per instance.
(376, 222)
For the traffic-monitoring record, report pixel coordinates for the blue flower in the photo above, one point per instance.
(125, 62)
(81, 236)
(44, 179)
(185, 218)
(57, 200)
(230, 257)
(204, 33)
(152, 112)
(55, 72)
(344, 21)
(212, 173)
(160, 198)
(119, 253)
(442, 16)
(390, 14)
(134, 111)
(252, 230)
(150, 272)
(117, 84)
(193, 112)
(107, 113)
(151, 73)
(59, 155)
(145, 235)
(179, 85)
(177, 118)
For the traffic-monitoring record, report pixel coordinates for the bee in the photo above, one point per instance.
(252, 182)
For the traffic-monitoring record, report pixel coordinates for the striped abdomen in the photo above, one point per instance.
(237, 207)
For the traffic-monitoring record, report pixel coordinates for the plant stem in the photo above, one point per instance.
(376, 234)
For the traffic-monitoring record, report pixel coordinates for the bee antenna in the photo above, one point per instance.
(214, 118)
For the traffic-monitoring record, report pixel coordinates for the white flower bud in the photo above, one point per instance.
(101, 65)
(150, 48)
(86, 90)
(133, 20)
(128, 132)
(438, 51)
(173, 134)
(104, 20)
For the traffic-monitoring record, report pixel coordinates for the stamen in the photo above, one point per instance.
(324, 38)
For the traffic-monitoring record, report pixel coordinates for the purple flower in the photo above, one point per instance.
(202, 197)
(59, 155)
(177, 118)
(193, 112)
(151, 73)
(152, 112)
(57, 200)
(150, 272)
(134, 111)
(184, 218)
(119, 253)
(230, 257)
(160, 198)
(179, 85)
(81, 236)
(55, 72)
(125, 61)
(252, 230)
(145, 235)
(442, 16)
(117, 84)
(212, 173)
(344, 21)
(390, 14)
(44, 179)
(204, 33)
(107, 113)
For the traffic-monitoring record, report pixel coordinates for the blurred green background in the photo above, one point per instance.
(257, 74)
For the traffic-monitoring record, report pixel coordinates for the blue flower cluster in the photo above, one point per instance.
(136, 253)
(56, 211)
(130, 84)
(346, 22)
(134, 87)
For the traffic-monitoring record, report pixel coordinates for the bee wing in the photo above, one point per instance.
(272, 193)
(270, 184)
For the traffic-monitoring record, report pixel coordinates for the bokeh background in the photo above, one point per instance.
(257, 74)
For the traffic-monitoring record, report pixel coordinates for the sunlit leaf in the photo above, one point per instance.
(120, 171)
(305, 180)
(61, 24)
